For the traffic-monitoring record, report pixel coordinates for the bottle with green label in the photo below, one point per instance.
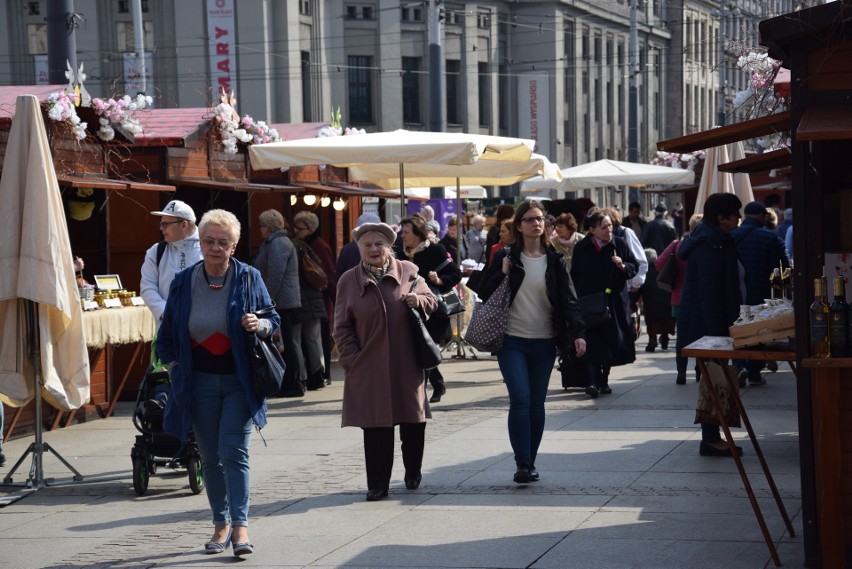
(820, 341)
(838, 319)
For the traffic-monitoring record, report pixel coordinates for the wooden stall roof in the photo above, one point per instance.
(759, 162)
(170, 127)
(777, 34)
(100, 183)
(298, 131)
(10, 93)
(825, 123)
(778, 122)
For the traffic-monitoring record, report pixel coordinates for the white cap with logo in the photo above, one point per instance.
(177, 208)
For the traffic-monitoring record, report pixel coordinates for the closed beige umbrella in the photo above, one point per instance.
(715, 182)
(43, 352)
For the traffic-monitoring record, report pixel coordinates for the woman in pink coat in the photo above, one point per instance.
(383, 384)
(677, 287)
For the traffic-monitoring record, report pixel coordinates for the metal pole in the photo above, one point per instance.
(436, 77)
(139, 45)
(722, 66)
(61, 41)
(633, 95)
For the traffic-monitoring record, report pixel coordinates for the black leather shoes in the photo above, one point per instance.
(534, 475)
(522, 474)
(592, 391)
(437, 394)
(681, 378)
(706, 449)
(413, 482)
(377, 494)
(605, 390)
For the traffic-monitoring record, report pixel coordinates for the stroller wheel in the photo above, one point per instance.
(193, 471)
(140, 475)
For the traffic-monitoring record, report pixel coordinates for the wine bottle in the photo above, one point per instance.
(820, 342)
(838, 318)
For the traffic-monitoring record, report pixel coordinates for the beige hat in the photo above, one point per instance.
(382, 228)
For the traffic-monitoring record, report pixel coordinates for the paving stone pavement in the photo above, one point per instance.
(622, 486)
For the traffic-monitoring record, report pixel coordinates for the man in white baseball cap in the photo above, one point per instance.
(179, 249)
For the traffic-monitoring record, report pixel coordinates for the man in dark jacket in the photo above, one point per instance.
(711, 291)
(760, 251)
(659, 232)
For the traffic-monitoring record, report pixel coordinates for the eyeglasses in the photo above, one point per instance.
(537, 219)
(222, 243)
(164, 224)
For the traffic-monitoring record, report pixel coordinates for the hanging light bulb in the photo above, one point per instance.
(325, 201)
(310, 199)
(293, 199)
(339, 204)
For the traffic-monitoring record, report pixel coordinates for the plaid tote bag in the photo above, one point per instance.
(488, 322)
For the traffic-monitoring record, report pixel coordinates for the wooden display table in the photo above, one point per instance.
(720, 349)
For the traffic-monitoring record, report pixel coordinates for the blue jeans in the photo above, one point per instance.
(526, 365)
(222, 426)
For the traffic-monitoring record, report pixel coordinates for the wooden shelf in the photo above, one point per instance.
(827, 362)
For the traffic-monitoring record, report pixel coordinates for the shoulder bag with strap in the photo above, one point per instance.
(426, 351)
(449, 303)
(265, 361)
(595, 307)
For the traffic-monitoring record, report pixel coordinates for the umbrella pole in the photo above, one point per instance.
(462, 347)
(36, 479)
(402, 191)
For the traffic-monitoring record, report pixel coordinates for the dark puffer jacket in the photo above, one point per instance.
(760, 251)
(567, 321)
(711, 290)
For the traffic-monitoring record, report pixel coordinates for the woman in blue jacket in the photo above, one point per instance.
(202, 339)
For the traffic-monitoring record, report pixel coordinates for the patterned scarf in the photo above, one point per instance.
(411, 252)
(376, 273)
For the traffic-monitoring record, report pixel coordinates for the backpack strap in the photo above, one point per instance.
(161, 249)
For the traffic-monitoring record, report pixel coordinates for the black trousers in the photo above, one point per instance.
(291, 374)
(325, 332)
(378, 452)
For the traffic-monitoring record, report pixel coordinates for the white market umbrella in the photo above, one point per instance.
(607, 172)
(491, 171)
(396, 147)
(450, 192)
(715, 182)
(401, 148)
(43, 351)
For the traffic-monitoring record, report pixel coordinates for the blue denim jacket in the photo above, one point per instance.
(175, 346)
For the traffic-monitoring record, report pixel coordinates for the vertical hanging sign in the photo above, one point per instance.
(534, 110)
(220, 31)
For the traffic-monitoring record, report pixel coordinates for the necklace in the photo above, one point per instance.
(214, 286)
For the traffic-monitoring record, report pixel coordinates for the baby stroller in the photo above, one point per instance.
(155, 448)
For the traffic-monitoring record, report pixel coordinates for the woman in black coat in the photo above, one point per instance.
(601, 263)
(440, 273)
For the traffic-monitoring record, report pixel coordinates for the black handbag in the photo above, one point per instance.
(426, 351)
(595, 309)
(666, 276)
(449, 303)
(265, 362)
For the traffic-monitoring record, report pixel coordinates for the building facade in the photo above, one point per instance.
(559, 71)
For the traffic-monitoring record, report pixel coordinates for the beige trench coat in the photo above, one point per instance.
(383, 385)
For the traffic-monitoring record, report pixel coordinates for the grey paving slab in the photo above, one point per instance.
(622, 486)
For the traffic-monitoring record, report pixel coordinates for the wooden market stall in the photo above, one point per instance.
(109, 188)
(815, 44)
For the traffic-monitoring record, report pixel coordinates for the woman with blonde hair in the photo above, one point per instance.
(211, 307)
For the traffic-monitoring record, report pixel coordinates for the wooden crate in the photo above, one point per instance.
(753, 333)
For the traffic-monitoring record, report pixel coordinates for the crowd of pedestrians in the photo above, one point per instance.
(358, 305)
